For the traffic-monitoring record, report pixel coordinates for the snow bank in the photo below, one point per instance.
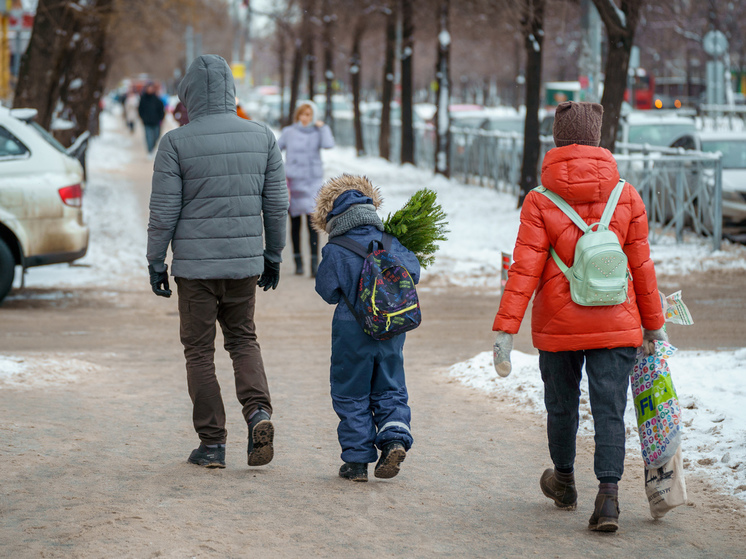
(35, 372)
(714, 431)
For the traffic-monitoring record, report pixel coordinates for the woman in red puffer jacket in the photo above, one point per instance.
(566, 334)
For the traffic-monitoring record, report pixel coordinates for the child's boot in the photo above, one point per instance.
(560, 488)
(605, 517)
(354, 471)
(298, 265)
(392, 455)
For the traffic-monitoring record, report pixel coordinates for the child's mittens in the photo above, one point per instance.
(501, 353)
(649, 338)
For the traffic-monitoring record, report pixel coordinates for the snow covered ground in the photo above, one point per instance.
(483, 223)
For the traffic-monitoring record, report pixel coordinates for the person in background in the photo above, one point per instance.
(568, 335)
(180, 113)
(303, 142)
(131, 104)
(227, 231)
(239, 110)
(151, 111)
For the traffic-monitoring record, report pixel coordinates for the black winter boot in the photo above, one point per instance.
(261, 436)
(314, 265)
(392, 455)
(298, 265)
(560, 488)
(605, 517)
(354, 471)
(208, 457)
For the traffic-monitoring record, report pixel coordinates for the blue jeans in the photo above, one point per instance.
(369, 393)
(608, 378)
(152, 133)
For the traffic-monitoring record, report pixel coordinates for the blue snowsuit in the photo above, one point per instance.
(368, 390)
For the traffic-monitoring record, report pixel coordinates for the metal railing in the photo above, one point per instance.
(732, 117)
(681, 189)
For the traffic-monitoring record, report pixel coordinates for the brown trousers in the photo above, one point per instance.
(230, 302)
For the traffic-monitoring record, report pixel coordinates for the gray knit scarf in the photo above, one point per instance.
(359, 214)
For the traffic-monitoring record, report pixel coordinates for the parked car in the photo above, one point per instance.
(41, 197)
(655, 129)
(732, 145)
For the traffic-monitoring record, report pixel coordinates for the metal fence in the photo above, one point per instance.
(731, 117)
(682, 190)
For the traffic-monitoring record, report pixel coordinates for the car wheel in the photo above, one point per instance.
(7, 270)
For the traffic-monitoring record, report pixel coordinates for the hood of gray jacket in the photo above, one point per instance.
(208, 87)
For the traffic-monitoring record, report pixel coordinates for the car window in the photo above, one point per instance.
(734, 152)
(10, 146)
(48, 137)
(658, 134)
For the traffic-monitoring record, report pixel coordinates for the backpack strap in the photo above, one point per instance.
(349, 244)
(611, 204)
(386, 241)
(564, 206)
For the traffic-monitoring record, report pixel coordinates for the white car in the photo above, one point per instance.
(41, 198)
(732, 145)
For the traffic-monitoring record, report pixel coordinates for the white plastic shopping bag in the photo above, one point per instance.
(665, 486)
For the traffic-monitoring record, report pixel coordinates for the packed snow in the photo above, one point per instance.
(483, 223)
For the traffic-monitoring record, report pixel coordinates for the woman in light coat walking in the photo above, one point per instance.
(303, 142)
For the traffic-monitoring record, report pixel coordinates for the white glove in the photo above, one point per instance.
(650, 336)
(501, 353)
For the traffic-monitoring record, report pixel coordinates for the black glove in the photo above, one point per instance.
(159, 281)
(271, 276)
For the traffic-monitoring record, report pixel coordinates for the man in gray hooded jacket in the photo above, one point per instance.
(218, 185)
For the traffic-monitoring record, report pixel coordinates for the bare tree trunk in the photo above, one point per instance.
(281, 54)
(308, 48)
(442, 74)
(295, 80)
(329, 19)
(533, 33)
(65, 63)
(621, 33)
(407, 131)
(355, 61)
(384, 138)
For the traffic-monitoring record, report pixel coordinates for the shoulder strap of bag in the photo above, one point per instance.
(611, 204)
(564, 206)
(349, 244)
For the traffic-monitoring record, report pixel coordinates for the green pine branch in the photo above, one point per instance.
(419, 225)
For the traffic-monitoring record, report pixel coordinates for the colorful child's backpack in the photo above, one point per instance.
(387, 303)
(599, 274)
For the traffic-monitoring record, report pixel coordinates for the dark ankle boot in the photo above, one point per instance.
(560, 488)
(314, 265)
(605, 517)
(354, 471)
(298, 265)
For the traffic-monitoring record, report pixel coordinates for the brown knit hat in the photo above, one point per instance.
(577, 123)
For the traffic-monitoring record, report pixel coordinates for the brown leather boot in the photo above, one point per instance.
(560, 488)
(605, 517)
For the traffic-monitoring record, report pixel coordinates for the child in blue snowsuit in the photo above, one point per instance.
(368, 390)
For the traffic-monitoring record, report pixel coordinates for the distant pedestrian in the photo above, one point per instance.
(368, 389)
(151, 112)
(131, 105)
(303, 142)
(240, 111)
(180, 113)
(567, 334)
(218, 188)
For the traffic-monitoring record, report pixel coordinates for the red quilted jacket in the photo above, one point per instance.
(584, 176)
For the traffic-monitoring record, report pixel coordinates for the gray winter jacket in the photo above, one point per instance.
(213, 181)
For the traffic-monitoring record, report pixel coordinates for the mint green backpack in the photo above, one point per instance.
(599, 275)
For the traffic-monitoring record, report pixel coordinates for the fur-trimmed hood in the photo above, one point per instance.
(333, 188)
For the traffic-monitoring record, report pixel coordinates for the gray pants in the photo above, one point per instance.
(231, 303)
(608, 378)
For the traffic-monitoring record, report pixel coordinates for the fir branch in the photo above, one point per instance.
(419, 225)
